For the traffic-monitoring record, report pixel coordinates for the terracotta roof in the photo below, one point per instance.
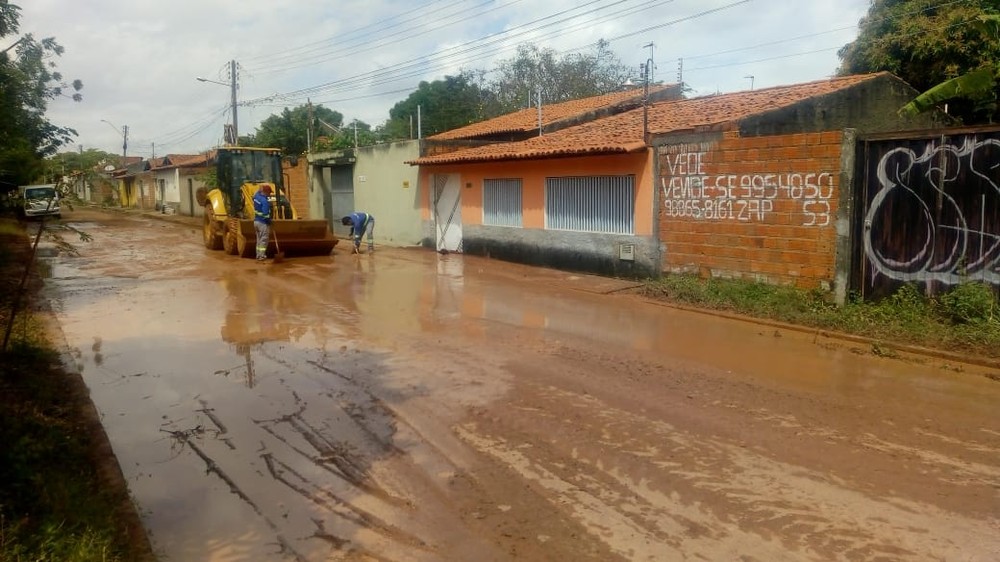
(622, 133)
(526, 120)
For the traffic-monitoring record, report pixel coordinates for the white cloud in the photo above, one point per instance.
(138, 59)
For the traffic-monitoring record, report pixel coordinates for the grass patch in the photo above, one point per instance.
(964, 319)
(53, 505)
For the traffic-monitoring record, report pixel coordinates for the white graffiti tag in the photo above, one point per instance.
(690, 192)
(935, 215)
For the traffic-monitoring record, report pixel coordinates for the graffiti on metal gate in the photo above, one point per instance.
(935, 212)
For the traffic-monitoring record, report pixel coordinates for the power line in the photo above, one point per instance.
(423, 64)
(293, 52)
(480, 49)
(376, 43)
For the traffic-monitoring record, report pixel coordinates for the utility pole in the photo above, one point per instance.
(236, 128)
(647, 70)
(539, 93)
(309, 129)
(650, 61)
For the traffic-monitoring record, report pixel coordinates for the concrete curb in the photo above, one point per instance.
(109, 472)
(987, 362)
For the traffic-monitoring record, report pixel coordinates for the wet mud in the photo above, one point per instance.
(408, 405)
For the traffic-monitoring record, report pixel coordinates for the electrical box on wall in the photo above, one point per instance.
(626, 252)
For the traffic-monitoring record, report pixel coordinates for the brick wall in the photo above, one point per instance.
(760, 207)
(298, 186)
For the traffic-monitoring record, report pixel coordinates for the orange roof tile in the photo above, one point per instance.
(623, 132)
(526, 120)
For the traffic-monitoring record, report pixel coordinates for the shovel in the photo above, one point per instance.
(279, 256)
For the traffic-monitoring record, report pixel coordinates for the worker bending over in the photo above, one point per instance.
(360, 224)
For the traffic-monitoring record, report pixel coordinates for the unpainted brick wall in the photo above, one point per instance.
(298, 186)
(760, 207)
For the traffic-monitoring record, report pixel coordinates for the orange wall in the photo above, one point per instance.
(533, 173)
(759, 207)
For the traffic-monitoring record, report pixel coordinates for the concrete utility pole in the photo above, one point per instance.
(309, 129)
(538, 91)
(236, 127)
(233, 80)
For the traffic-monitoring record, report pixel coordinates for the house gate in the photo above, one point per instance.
(448, 212)
(927, 211)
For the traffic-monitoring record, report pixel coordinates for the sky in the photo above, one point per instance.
(140, 60)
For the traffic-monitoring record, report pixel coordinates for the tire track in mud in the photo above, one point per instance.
(213, 467)
(357, 514)
(646, 482)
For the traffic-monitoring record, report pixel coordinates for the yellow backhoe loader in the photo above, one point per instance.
(228, 226)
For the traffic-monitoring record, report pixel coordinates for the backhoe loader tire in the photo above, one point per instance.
(213, 238)
(229, 237)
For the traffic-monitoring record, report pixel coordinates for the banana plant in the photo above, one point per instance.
(977, 85)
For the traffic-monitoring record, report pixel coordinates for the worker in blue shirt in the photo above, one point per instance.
(360, 223)
(262, 219)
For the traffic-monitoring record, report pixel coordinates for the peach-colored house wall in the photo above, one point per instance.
(533, 173)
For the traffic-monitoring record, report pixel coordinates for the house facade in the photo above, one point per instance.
(736, 185)
(372, 179)
(376, 180)
(760, 184)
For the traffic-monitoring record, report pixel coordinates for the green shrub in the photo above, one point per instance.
(970, 303)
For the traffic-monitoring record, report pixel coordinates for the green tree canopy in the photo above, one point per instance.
(928, 42)
(355, 133)
(88, 163)
(444, 104)
(28, 82)
(289, 131)
(573, 76)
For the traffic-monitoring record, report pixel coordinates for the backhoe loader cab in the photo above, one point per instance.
(240, 172)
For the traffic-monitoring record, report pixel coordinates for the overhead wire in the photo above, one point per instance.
(420, 65)
(802, 53)
(294, 51)
(364, 45)
(494, 37)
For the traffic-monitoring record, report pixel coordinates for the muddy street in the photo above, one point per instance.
(416, 406)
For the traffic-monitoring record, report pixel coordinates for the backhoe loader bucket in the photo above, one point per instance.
(295, 237)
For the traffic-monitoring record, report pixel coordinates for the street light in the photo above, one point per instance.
(750, 77)
(232, 88)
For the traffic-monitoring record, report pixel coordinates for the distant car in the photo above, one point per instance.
(40, 200)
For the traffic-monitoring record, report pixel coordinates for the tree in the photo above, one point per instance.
(85, 165)
(927, 43)
(28, 82)
(355, 133)
(573, 76)
(445, 104)
(289, 131)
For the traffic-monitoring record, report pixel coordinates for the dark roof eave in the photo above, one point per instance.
(570, 153)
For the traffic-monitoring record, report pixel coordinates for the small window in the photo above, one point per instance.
(502, 202)
(604, 204)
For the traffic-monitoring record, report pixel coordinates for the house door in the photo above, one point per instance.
(448, 212)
